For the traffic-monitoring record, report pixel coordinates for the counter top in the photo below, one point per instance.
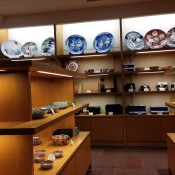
(68, 151)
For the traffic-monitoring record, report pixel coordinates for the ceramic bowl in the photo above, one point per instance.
(36, 141)
(40, 151)
(154, 67)
(60, 139)
(39, 157)
(46, 164)
(58, 153)
(48, 108)
(38, 114)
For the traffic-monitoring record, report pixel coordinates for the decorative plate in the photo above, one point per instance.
(48, 47)
(72, 65)
(103, 42)
(134, 41)
(11, 48)
(171, 37)
(29, 49)
(76, 44)
(155, 39)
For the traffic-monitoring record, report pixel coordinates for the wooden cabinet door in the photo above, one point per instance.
(83, 158)
(70, 168)
(83, 123)
(107, 129)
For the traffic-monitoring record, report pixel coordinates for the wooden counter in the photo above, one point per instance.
(171, 152)
(81, 143)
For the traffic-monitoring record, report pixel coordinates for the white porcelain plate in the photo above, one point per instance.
(134, 41)
(76, 44)
(29, 49)
(171, 37)
(155, 39)
(48, 47)
(72, 65)
(11, 49)
(103, 42)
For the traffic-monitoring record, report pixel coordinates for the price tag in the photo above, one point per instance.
(110, 113)
(52, 111)
(91, 113)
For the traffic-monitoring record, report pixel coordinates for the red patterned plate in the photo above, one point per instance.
(72, 65)
(155, 39)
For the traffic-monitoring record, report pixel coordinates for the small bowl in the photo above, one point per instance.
(110, 70)
(39, 157)
(154, 67)
(60, 139)
(104, 70)
(40, 151)
(46, 164)
(48, 108)
(58, 153)
(36, 141)
(38, 114)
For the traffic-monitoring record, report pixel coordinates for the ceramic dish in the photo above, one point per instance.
(48, 47)
(171, 37)
(155, 39)
(76, 44)
(134, 41)
(29, 49)
(72, 65)
(58, 154)
(11, 49)
(103, 42)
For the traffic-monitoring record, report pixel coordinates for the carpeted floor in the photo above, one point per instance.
(128, 161)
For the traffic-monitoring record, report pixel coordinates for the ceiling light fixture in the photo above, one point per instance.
(50, 73)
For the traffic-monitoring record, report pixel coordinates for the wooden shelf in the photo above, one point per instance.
(148, 51)
(100, 93)
(148, 92)
(100, 115)
(170, 105)
(68, 151)
(38, 68)
(35, 126)
(89, 55)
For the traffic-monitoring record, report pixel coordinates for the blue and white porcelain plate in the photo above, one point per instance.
(48, 47)
(29, 49)
(11, 49)
(76, 44)
(103, 42)
(171, 37)
(134, 41)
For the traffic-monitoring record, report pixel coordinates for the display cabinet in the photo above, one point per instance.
(30, 84)
(91, 89)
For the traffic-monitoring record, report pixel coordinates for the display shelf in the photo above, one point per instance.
(35, 126)
(68, 150)
(89, 55)
(38, 68)
(100, 93)
(148, 92)
(170, 70)
(149, 115)
(148, 51)
(99, 115)
(170, 105)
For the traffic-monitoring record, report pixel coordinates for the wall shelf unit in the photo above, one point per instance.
(28, 84)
